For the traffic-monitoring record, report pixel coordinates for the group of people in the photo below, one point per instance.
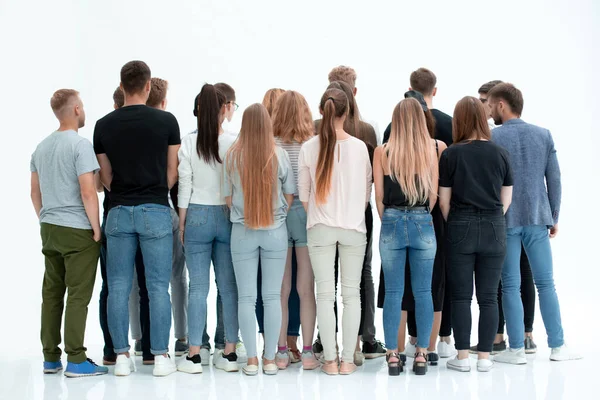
(284, 207)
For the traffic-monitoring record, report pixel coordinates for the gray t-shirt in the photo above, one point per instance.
(59, 160)
(232, 186)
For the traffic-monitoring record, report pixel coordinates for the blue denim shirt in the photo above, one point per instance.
(536, 173)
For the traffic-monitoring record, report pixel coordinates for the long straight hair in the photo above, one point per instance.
(253, 156)
(334, 104)
(470, 121)
(408, 151)
(210, 102)
(292, 119)
(270, 99)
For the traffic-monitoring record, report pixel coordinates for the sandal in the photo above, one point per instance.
(420, 367)
(394, 367)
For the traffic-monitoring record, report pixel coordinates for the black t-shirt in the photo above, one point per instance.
(443, 128)
(476, 172)
(136, 140)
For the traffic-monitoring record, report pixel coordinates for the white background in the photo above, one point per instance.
(549, 49)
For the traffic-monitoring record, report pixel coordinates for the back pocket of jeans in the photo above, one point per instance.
(196, 216)
(426, 231)
(457, 231)
(499, 232)
(158, 221)
(388, 231)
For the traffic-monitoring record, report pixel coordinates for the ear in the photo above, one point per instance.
(434, 92)
(354, 91)
(115, 106)
(163, 104)
(77, 110)
(148, 86)
(409, 89)
(121, 87)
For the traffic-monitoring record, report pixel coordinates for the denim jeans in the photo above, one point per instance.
(536, 242)
(150, 226)
(476, 243)
(207, 238)
(247, 246)
(407, 231)
(219, 330)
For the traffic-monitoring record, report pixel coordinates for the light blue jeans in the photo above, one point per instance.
(402, 232)
(247, 245)
(149, 225)
(296, 224)
(536, 242)
(207, 238)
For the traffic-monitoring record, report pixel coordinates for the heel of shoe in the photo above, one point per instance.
(433, 359)
(394, 367)
(419, 367)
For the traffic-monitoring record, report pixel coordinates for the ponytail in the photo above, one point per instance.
(208, 110)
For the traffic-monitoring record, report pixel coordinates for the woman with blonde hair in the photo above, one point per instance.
(292, 126)
(270, 99)
(334, 184)
(258, 186)
(406, 181)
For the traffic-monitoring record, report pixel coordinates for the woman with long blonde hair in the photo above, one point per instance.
(406, 181)
(270, 99)
(334, 184)
(258, 186)
(292, 126)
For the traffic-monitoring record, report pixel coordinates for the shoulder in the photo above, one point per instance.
(314, 141)
(440, 116)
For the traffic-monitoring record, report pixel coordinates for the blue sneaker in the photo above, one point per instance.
(52, 367)
(86, 368)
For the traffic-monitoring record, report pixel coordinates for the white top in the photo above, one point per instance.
(351, 182)
(293, 150)
(200, 182)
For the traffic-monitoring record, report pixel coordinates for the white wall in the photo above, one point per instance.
(549, 49)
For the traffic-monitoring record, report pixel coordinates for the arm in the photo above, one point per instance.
(289, 198)
(506, 197)
(553, 182)
(98, 183)
(36, 193)
(90, 202)
(444, 200)
(106, 173)
(378, 174)
(435, 175)
(369, 177)
(172, 165)
(182, 215)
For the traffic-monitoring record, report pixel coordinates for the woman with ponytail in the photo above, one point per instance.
(205, 228)
(334, 184)
(259, 188)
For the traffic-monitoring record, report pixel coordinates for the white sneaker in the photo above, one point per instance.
(250, 370)
(484, 365)
(227, 363)
(124, 365)
(446, 350)
(410, 349)
(205, 355)
(270, 369)
(459, 365)
(163, 366)
(563, 353)
(190, 365)
(240, 350)
(216, 356)
(511, 356)
(359, 358)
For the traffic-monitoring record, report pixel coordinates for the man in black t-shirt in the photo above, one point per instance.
(137, 149)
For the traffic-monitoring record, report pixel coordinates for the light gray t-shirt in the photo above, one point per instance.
(232, 186)
(59, 160)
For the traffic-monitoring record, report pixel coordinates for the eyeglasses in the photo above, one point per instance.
(235, 105)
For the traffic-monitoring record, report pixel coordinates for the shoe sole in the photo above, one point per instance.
(164, 373)
(119, 373)
(249, 373)
(358, 363)
(310, 368)
(566, 359)
(457, 368)
(139, 353)
(190, 371)
(76, 375)
(228, 368)
(333, 373)
(371, 356)
(269, 372)
(486, 369)
(347, 372)
(109, 363)
(513, 362)
(52, 371)
(531, 351)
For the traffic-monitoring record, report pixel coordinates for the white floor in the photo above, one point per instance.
(539, 379)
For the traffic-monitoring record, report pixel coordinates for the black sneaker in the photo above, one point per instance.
(317, 348)
(530, 347)
(227, 362)
(181, 348)
(497, 348)
(190, 365)
(433, 359)
(373, 350)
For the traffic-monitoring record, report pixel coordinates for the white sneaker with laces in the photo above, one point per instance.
(446, 350)
(563, 353)
(484, 365)
(216, 356)
(124, 365)
(240, 350)
(463, 365)
(410, 349)
(205, 355)
(227, 363)
(511, 356)
(163, 365)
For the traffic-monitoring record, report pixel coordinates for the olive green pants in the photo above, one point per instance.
(71, 257)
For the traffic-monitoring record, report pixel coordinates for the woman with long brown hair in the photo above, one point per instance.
(406, 175)
(475, 193)
(258, 186)
(334, 184)
(270, 99)
(292, 126)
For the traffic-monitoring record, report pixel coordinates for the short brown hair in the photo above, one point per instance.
(158, 92)
(61, 98)
(119, 97)
(270, 99)
(344, 74)
(227, 91)
(486, 87)
(470, 120)
(134, 76)
(510, 94)
(423, 81)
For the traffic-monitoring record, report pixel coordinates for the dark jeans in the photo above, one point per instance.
(527, 296)
(219, 330)
(476, 243)
(144, 303)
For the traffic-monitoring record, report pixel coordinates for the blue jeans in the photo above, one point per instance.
(150, 226)
(247, 246)
(219, 330)
(208, 237)
(402, 232)
(537, 246)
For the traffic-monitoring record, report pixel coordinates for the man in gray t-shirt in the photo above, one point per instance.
(63, 193)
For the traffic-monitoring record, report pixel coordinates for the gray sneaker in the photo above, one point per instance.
(138, 348)
(181, 348)
(530, 347)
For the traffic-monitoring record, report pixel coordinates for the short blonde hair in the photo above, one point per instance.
(344, 74)
(60, 99)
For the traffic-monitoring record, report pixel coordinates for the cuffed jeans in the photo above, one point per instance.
(271, 246)
(407, 231)
(208, 237)
(536, 242)
(150, 226)
(322, 243)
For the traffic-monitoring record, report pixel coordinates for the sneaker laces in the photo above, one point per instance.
(91, 362)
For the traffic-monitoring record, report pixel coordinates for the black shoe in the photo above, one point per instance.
(433, 359)
(420, 368)
(373, 350)
(394, 367)
(317, 348)
(530, 347)
(497, 348)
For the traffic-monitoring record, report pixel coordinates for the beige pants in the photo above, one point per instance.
(322, 241)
